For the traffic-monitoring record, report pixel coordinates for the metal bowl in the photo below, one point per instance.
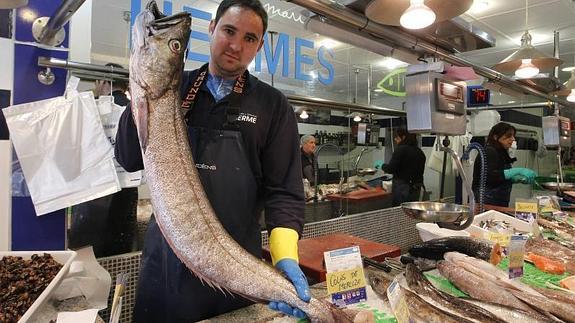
(562, 186)
(366, 171)
(435, 211)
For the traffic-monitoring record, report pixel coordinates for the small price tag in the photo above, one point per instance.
(501, 238)
(516, 252)
(398, 303)
(345, 278)
(526, 210)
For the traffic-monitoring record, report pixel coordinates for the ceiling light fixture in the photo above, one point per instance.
(417, 16)
(516, 61)
(424, 12)
(391, 63)
(479, 6)
(304, 115)
(526, 69)
(357, 118)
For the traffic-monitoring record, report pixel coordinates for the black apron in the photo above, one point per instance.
(167, 290)
(499, 195)
(404, 191)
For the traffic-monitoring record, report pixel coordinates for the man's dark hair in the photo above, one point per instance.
(408, 138)
(499, 130)
(118, 83)
(254, 5)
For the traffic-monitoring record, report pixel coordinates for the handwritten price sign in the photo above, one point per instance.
(342, 281)
(345, 278)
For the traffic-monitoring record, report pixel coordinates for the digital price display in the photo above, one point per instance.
(477, 96)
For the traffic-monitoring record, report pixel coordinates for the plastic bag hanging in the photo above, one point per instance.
(63, 151)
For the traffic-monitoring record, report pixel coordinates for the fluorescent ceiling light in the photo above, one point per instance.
(526, 69)
(417, 16)
(571, 97)
(329, 43)
(568, 69)
(391, 63)
(479, 6)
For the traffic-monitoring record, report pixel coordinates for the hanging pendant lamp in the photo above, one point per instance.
(522, 61)
(395, 12)
(539, 59)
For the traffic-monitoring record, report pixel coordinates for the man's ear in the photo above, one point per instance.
(212, 27)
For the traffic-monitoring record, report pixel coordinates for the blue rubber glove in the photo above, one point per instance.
(525, 173)
(291, 270)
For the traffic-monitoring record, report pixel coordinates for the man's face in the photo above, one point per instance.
(309, 147)
(235, 41)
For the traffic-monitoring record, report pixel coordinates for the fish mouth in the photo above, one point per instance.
(162, 21)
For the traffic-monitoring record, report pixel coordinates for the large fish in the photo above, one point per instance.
(479, 248)
(419, 309)
(182, 210)
(510, 314)
(478, 288)
(487, 271)
(420, 285)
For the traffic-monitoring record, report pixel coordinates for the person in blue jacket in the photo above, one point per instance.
(246, 148)
(500, 175)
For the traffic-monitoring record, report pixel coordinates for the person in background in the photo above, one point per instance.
(108, 223)
(116, 88)
(308, 158)
(500, 175)
(246, 147)
(407, 164)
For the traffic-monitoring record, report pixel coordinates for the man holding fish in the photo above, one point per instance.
(244, 140)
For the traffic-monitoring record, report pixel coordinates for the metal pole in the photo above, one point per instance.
(532, 105)
(59, 19)
(98, 70)
(369, 72)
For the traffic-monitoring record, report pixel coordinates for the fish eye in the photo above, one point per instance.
(175, 45)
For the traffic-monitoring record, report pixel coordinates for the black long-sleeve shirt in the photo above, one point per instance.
(407, 163)
(497, 160)
(269, 130)
(308, 166)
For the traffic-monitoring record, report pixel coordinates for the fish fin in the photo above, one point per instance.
(140, 112)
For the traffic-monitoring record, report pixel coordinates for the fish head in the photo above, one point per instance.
(159, 45)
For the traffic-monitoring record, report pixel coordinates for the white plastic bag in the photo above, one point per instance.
(110, 114)
(63, 151)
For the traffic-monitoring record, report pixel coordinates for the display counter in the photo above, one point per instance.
(358, 201)
(311, 252)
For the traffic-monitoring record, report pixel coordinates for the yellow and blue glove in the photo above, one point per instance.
(283, 249)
